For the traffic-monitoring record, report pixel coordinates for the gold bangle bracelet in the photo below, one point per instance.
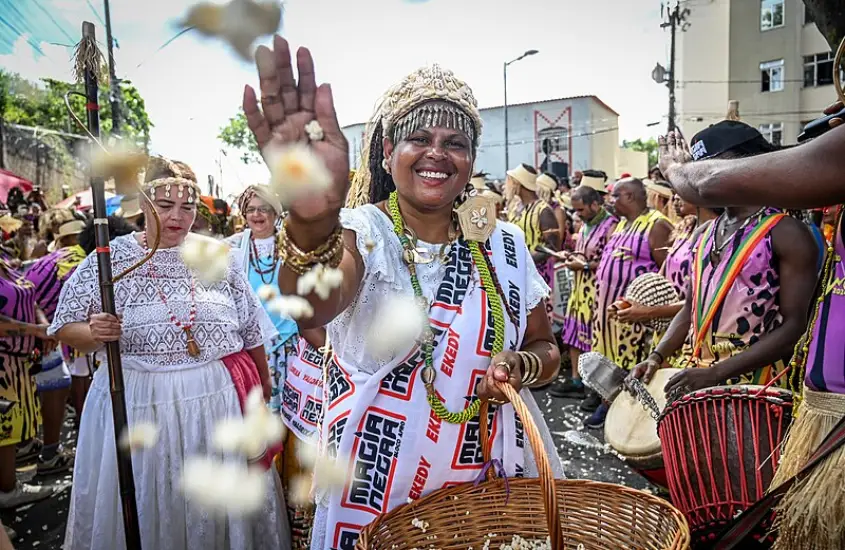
(532, 367)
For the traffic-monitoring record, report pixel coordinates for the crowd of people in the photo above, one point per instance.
(705, 265)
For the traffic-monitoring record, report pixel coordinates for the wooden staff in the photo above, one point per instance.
(87, 56)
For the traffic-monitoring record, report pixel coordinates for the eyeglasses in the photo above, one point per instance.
(266, 210)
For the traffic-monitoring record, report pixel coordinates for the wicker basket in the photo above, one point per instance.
(595, 515)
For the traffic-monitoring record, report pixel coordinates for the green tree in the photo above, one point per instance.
(43, 106)
(237, 135)
(641, 146)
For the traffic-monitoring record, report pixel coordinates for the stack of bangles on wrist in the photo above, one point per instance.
(532, 366)
(300, 262)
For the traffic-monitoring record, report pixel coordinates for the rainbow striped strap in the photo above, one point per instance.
(703, 319)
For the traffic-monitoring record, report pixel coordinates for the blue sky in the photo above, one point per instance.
(601, 47)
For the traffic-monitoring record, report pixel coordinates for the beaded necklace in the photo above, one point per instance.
(488, 281)
(258, 264)
(193, 346)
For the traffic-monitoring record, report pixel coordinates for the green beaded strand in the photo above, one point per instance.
(439, 408)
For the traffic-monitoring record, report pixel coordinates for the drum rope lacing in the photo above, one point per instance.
(644, 397)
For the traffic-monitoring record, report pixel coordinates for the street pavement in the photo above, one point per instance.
(41, 526)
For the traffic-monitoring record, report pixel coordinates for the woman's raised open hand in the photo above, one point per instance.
(287, 105)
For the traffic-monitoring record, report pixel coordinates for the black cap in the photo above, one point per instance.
(721, 137)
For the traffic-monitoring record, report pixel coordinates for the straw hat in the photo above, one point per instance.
(594, 183)
(130, 207)
(659, 187)
(479, 182)
(525, 178)
(70, 228)
(546, 181)
(10, 224)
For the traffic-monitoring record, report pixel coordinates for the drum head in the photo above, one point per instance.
(629, 427)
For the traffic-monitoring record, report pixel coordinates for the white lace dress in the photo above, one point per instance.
(184, 396)
(385, 276)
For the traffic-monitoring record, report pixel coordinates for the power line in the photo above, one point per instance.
(53, 19)
(96, 14)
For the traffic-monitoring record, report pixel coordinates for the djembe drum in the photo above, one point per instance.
(721, 447)
(631, 429)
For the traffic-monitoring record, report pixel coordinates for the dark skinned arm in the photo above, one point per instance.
(551, 235)
(259, 357)
(538, 339)
(316, 337)
(560, 217)
(807, 176)
(796, 251)
(671, 342)
(659, 240)
(325, 311)
(12, 327)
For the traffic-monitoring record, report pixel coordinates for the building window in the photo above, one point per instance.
(808, 16)
(771, 14)
(771, 75)
(772, 132)
(818, 70)
(553, 139)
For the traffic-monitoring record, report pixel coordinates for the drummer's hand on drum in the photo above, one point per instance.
(644, 371)
(693, 379)
(287, 105)
(104, 327)
(504, 367)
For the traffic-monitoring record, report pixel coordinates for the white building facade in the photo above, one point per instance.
(579, 133)
(766, 54)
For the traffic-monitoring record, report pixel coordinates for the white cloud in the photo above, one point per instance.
(31, 65)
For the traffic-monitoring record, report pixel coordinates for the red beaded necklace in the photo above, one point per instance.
(193, 346)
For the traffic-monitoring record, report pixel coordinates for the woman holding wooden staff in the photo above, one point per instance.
(182, 341)
(406, 421)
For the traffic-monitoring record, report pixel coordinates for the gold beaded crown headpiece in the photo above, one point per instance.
(171, 178)
(428, 97)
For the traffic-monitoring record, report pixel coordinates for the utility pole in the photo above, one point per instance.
(677, 18)
(505, 79)
(114, 85)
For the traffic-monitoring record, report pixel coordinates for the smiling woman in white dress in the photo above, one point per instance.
(474, 290)
(179, 339)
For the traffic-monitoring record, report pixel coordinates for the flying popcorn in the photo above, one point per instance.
(121, 164)
(296, 171)
(206, 256)
(294, 307)
(225, 487)
(240, 22)
(396, 327)
(321, 280)
(140, 435)
(252, 434)
(267, 293)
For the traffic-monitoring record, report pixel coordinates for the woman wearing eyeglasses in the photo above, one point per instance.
(260, 259)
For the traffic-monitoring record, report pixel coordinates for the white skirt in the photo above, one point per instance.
(185, 405)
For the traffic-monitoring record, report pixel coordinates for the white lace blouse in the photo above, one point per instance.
(385, 275)
(228, 313)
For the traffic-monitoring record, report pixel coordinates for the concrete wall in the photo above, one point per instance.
(702, 57)
(631, 162)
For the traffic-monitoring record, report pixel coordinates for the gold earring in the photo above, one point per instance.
(385, 165)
